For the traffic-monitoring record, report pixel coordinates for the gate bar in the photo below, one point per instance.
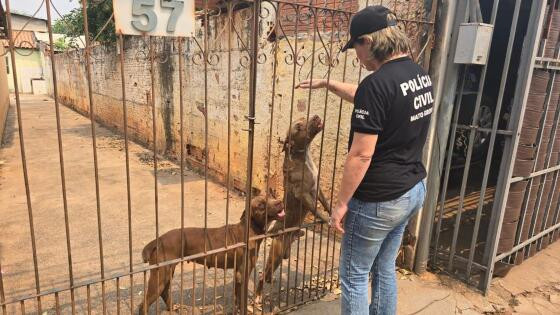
(22, 152)
(522, 90)
(548, 157)
(542, 179)
(329, 69)
(269, 152)
(152, 101)
(331, 197)
(61, 153)
(451, 144)
(548, 206)
(126, 152)
(535, 174)
(313, 45)
(144, 270)
(294, 51)
(250, 145)
(495, 123)
(205, 54)
(94, 148)
(528, 241)
(228, 166)
(182, 163)
(521, 223)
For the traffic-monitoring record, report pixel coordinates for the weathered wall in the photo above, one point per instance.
(4, 94)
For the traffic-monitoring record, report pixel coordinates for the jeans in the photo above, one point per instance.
(372, 238)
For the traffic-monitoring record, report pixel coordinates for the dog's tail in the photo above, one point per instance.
(148, 250)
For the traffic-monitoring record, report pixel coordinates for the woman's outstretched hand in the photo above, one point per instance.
(312, 84)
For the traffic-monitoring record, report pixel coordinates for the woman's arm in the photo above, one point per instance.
(346, 91)
(355, 167)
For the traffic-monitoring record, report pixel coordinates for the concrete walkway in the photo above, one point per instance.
(531, 288)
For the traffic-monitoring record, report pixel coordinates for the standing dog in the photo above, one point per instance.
(195, 242)
(300, 189)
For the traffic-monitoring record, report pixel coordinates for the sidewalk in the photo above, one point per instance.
(531, 288)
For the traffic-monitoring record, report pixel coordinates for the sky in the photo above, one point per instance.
(30, 6)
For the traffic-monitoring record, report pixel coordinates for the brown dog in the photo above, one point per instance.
(169, 248)
(300, 189)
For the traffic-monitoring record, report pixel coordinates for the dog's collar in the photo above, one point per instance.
(299, 150)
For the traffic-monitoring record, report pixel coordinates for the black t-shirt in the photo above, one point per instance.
(395, 103)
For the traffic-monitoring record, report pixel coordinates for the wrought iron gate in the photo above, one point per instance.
(498, 201)
(273, 44)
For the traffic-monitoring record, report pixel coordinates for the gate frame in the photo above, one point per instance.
(451, 86)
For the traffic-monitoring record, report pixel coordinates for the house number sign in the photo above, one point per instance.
(155, 17)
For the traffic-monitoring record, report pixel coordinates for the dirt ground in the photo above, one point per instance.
(41, 149)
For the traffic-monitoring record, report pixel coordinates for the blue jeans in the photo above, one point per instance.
(372, 238)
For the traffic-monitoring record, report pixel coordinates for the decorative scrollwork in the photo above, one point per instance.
(261, 58)
(197, 58)
(245, 61)
(213, 58)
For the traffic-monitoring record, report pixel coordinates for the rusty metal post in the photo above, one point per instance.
(94, 147)
(152, 101)
(22, 152)
(250, 141)
(61, 155)
(127, 161)
(182, 162)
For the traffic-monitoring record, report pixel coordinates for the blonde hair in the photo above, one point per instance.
(387, 42)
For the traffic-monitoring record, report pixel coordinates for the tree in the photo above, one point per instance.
(60, 44)
(98, 13)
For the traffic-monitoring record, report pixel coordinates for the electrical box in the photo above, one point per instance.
(473, 43)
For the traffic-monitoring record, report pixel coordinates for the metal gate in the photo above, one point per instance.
(273, 45)
(497, 202)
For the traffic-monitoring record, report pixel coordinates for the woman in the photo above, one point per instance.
(382, 184)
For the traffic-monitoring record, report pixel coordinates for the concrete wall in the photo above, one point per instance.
(4, 94)
(29, 65)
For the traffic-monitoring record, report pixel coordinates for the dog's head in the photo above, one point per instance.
(263, 207)
(265, 210)
(302, 133)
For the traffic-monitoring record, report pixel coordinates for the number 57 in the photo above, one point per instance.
(146, 8)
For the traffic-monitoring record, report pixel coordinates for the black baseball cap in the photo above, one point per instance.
(368, 20)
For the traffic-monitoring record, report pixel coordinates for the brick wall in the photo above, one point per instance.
(306, 22)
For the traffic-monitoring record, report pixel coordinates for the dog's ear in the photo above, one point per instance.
(255, 192)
